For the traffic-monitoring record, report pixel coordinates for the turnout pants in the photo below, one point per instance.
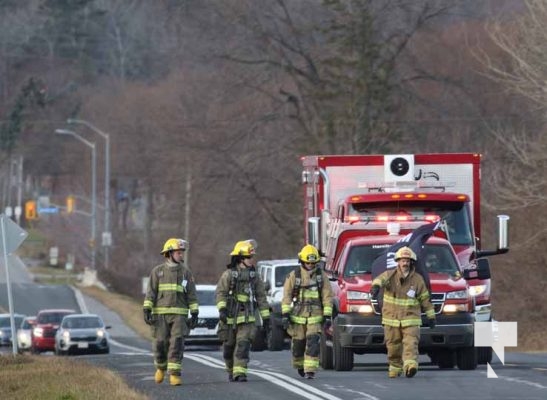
(305, 346)
(168, 332)
(402, 346)
(236, 348)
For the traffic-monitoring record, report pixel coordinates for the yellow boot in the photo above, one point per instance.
(159, 375)
(175, 380)
(394, 372)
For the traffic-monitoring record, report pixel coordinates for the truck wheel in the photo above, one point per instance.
(259, 341)
(445, 359)
(276, 337)
(466, 358)
(484, 355)
(325, 353)
(342, 356)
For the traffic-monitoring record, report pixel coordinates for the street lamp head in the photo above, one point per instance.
(64, 132)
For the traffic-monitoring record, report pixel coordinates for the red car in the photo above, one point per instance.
(45, 328)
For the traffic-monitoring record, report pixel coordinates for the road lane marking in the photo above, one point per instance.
(276, 378)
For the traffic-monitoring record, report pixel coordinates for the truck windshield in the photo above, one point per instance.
(436, 258)
(458, 228)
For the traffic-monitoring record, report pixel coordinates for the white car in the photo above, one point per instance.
(24, 334)
(82, 333)
(207, 326)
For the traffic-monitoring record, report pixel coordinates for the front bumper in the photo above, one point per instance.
(99, 345)
(366, 333)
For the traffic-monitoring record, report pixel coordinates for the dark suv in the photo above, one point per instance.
(45, 328)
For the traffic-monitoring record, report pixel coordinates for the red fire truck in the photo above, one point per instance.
(363, 196)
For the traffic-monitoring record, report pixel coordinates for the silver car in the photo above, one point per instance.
(82, 334)
(5, 327)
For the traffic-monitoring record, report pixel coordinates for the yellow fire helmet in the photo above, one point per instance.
(174, 244)
(309, 254)
(244, 248)
(405, 252)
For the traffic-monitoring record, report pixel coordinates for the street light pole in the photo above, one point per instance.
(93, 187)
(107, 240)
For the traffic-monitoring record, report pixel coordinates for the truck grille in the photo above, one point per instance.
(49, 333)
(209, 323)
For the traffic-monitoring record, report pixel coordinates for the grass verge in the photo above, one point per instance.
(26, 377)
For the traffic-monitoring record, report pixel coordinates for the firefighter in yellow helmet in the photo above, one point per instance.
(170, 294)
(306, 310)
(241, 302)
(405, 295)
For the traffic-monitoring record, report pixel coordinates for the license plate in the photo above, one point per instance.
(83, 345)
(200, 331)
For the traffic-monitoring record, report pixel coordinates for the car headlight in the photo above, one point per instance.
(477, 290)
(353, 295)
(38, 332)
(100, 333)
(460, 294)
(66, 335)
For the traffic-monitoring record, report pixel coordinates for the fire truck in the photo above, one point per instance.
(352, 201)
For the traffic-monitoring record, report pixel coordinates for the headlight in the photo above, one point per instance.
(66, 335)
(477, 290)
(100, 333)
(460, 294)
(452, 308)
(352, 295)
(38, 331)
(361, 308)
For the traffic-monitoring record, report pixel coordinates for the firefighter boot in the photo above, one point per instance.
(174, 380)
(411, 369)
(159, 375)
(301, 372)
(394, 372)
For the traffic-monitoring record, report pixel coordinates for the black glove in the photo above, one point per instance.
(266, 324)
(431, 323)
(327, 322)
(194, 319)
(285, 321)
(374, 290)
(148, 319)
(223, 315)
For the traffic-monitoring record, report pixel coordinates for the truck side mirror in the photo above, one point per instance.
(481, 272)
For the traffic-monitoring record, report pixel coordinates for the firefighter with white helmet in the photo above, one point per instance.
(240, 299)
(306, 310)
(405, 295)
(170, 295)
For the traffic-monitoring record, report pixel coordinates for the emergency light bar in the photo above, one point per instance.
(405, 186)
(392, 218)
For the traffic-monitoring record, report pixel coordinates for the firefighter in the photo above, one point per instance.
(171, 293)
(306, 310)
(241, 302)
(405, 295)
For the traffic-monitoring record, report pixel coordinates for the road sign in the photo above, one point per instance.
(14, 235)
(48, 210)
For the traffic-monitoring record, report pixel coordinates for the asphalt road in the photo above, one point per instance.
(524, 376)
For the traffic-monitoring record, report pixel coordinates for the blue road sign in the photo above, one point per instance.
(48, 210)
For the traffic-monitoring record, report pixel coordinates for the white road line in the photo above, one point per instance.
(274, 377)
(125, 346)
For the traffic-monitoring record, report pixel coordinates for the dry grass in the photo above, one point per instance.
(26, 377)
(127, 308)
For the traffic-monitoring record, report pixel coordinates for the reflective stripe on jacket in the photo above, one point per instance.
(404, 298)
(248, 295)
(171, 290)
(308, 308)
